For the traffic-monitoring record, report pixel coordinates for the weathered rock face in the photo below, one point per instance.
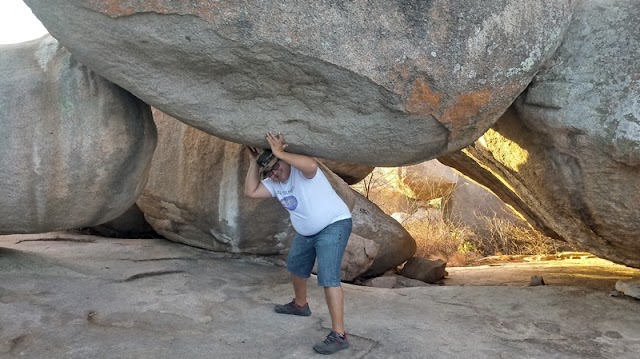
(202, 203)
(396, 244)
(358, 257)
(426, 270)
(630, 288)
(568, 152)
(378, 83)
(194, 194)
(75, 149)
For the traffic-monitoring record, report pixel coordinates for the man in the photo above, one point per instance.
(322, 222)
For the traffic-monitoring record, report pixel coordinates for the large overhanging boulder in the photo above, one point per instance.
(379, 83)
(75, 149)
(195, 195)
(567, 155)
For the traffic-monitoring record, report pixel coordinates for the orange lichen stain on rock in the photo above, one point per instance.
(112, 8)
(118, 8)
(457, 116)
(423, 100)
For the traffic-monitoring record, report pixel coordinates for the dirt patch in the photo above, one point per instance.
(576, 269)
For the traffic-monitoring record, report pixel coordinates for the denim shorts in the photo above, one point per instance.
(328, 246)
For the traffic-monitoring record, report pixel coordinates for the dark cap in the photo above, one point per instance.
(266, 160)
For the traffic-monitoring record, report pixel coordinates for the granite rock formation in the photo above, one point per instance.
(384, 83)
(567, 153)
(381, 83)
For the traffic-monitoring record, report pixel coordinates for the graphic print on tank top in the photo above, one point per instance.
(289, 202)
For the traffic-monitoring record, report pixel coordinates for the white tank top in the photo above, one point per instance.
(312, 203)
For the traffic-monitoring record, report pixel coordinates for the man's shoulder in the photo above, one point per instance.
(299, 173)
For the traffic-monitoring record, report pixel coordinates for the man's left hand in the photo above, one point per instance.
(277, 143)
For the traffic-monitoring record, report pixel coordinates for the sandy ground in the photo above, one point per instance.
(93, 297)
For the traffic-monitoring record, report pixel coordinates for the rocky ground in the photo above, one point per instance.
(577, 269)
(93, 297)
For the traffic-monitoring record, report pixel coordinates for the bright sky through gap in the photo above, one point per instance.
(17, 23)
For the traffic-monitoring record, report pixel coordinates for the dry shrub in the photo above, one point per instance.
(437, 239)
(371, 183)
(507, 238)
(456, 243)
(459, 245)
(380, 187)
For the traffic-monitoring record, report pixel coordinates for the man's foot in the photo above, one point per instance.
(293, 309)
(332, 344)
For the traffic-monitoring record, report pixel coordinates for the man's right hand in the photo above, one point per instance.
(253, 152)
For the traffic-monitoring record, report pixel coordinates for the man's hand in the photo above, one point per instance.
(253, 152)
(277, 144)
(307, 165)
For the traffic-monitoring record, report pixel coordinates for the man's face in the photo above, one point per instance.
(279, 172)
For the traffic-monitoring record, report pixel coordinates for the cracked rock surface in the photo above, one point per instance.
(114, 298)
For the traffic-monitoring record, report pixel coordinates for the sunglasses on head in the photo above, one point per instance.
(269, 173)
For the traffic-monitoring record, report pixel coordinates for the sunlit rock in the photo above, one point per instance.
(567, 154)
(424, 181)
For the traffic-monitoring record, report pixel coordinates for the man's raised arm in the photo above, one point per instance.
(253, 188)
(305, 164)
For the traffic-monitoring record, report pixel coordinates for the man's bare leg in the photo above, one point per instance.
(335, 302)
(299, 290)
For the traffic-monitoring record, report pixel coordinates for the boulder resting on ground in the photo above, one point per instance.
(75, 149)
(203, 204)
